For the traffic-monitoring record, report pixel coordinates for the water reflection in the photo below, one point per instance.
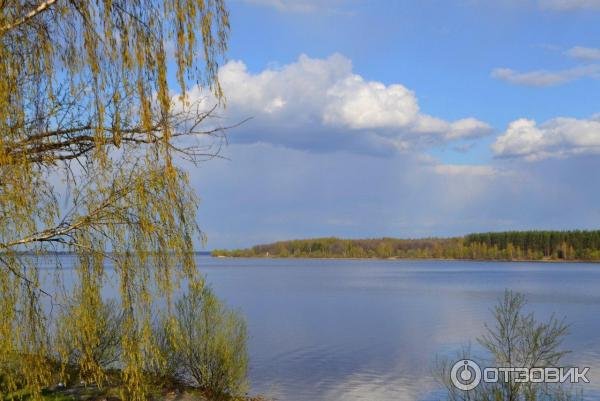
(371, 330)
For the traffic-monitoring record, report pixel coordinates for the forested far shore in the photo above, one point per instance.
(508, 245)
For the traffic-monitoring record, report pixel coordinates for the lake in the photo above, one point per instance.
(333, 330)
(345, 330)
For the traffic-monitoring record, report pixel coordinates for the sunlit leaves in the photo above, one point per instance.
(88, 137)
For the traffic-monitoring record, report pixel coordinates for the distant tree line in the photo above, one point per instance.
(510, 245)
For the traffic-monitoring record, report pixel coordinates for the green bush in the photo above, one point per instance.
(206, 348)
(100, 346)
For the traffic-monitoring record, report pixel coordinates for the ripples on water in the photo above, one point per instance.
(344, 330)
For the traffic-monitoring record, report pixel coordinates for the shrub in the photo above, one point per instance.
(516, 340)
(207, 345)
(101, 341)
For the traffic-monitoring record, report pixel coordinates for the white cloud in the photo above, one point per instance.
(542, 78)
(358, 104)
(557, 138)
(584, 53)
(466, 127)
(321, 104)
(569, 5)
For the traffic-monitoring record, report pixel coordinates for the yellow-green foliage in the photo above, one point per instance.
(206, 348)
(89, 133)
(75, 352)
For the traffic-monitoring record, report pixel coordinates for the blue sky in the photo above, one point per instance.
(405, 119)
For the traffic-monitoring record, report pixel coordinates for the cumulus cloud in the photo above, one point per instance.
(569, 5)
(542, 78)
(321, 104)
(584, 53)
(358, 104)
(557, 138)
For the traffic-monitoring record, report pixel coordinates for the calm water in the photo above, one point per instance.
(371, 330)
(344, 330)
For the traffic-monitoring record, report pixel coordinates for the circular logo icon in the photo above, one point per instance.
(465, 374)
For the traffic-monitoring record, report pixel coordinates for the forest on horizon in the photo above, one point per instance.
(507, 245)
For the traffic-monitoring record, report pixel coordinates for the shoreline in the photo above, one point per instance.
(558, 261)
